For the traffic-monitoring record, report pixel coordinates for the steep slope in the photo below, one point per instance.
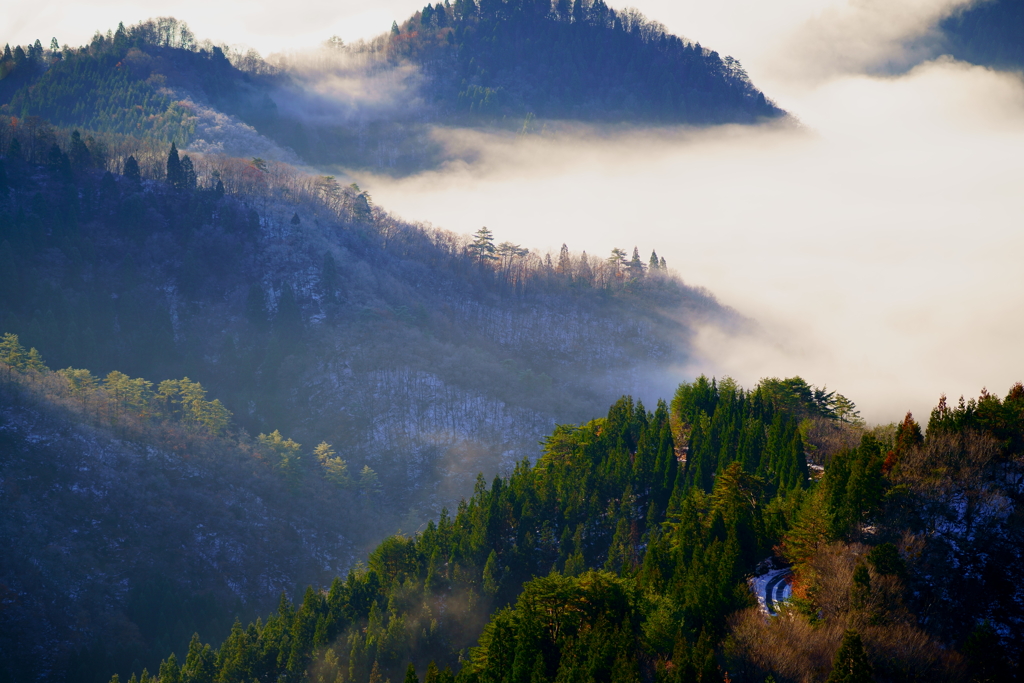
(374, 104)
(152, 80)
(421, 356)
(611, 559)
(509, 59)
(127, 526)
(510, 66)
(309, 311)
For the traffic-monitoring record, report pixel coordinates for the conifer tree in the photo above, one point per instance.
(14, 150)
(885, 558)
(636, 266)
(617, 259)
(329, 276)
(653, 263)
(174, 176)
(188, 174)
(586, 275)
(850, 664)
(80, 155)
(860, 589)
(490, 576)
(410, 674)
(12, 353)
(564, 261)
(335, 469)
(169, 671)
(131, 169)
(482, 247)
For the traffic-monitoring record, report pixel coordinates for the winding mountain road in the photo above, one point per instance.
(771, 589)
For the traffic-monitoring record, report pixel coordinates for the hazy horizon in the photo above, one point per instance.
(871, 235)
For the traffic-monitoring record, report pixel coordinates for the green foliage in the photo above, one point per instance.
(569, 628)
(99, 90)
(608, 493)
(999, 418)
(811, 530)
(853, 485)
(13, 354)
(886, 560)
(759, 429)
(482, 247)
(285, 453)
(511, 60)
(335, 469)
(118, 396)
(851, 662)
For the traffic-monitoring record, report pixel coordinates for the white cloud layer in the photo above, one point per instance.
(877, 243)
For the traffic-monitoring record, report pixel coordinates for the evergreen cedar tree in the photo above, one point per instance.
(851, 662)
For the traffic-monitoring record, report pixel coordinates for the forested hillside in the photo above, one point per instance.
(563, 60)
(152, 80)
(305, 308)
(135, 513)
(250, 418)
(615, 558)
(497, 64)
(280, 304)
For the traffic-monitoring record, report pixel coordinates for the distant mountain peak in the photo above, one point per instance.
(583, 61)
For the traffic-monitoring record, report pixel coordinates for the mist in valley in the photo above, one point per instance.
(871, 234)
(375, 350)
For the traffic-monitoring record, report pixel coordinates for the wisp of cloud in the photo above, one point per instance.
(876, 241)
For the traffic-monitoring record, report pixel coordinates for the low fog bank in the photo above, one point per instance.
(876, 242)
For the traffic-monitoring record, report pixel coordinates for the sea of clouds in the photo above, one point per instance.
(875, 235)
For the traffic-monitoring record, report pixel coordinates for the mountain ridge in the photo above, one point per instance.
(591, 64)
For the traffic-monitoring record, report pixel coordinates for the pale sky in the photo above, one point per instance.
(877, 238)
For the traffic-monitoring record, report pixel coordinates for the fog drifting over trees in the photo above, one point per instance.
(873, 237)
(849, 226)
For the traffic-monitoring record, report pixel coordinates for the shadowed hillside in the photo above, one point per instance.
(374, 104)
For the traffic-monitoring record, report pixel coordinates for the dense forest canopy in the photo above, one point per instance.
(194, 300)
(265, 374)
(613, 558)
(622, 552)
(579, 60)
